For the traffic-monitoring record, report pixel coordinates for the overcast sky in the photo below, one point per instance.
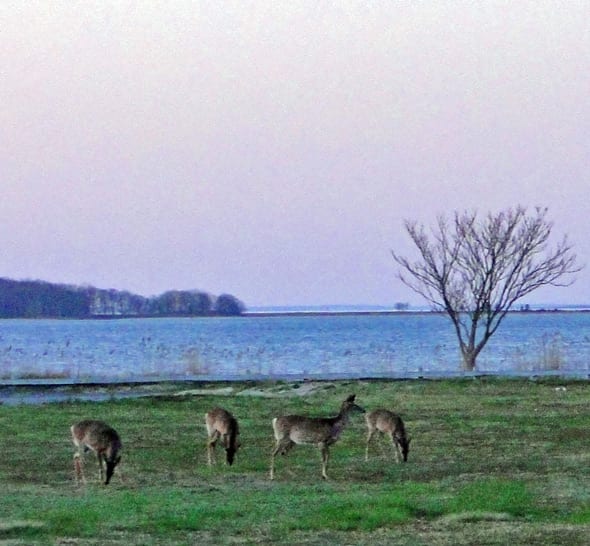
(272, 149)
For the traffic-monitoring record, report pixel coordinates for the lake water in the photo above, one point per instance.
(254, 347)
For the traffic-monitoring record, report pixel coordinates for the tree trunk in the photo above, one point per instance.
(469, 357)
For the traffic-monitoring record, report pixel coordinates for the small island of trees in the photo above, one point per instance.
(40, 299)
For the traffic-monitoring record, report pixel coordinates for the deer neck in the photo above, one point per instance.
(339, 423)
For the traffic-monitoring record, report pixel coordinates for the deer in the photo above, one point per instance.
(97, 436)
(387, 422)
(221, 424)
(320, 431)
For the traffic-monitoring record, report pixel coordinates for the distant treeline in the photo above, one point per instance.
(39, 299)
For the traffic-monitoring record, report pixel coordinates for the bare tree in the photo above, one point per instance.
(474, 270)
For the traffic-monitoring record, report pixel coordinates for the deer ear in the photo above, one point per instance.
(351, 398)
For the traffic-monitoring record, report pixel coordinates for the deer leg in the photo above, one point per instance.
(100, 466)
(272, 460)
(396, 449)
(286, 447)
(78, 470)
(325, 456)
(226, 445)
(282, 447)
(211, 443)
(369, 436)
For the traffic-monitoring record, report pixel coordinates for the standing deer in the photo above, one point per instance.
(99, 437)
(320, 431)
(386, 422)
(222, 424)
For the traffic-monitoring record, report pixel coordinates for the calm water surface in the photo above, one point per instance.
(395, 345)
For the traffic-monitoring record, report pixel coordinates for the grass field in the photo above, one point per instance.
(492, 461)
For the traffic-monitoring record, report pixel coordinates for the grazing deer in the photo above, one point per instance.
(386, 422)
(222, 424)
(320, 431)
(103, 440)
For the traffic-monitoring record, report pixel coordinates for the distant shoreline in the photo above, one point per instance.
(302, 313)
(328, 313)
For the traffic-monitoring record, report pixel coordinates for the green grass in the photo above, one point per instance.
(492, 461)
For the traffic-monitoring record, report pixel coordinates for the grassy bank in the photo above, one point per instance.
(492, 461)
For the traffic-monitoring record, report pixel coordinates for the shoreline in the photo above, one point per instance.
(39, 391)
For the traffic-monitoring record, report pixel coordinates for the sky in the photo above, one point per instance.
(272, 150)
